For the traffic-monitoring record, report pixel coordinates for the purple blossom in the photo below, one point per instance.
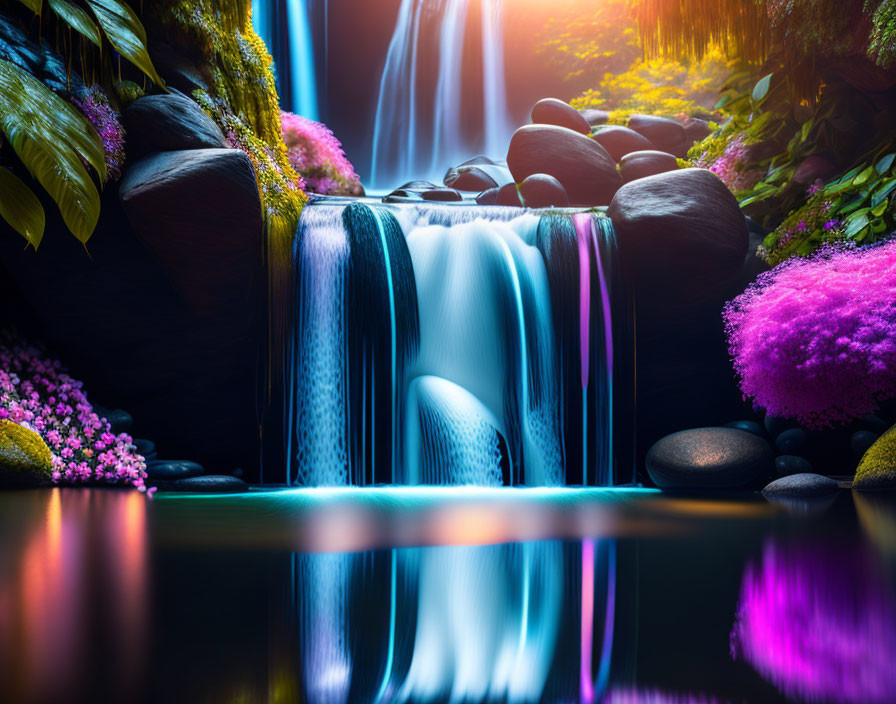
(815, 338)
(94, 104)
(36, 391)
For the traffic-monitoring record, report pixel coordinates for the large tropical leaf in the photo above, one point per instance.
(33, 5)
(126, 34)
(21, 208)
(51, 137)
(78, 19)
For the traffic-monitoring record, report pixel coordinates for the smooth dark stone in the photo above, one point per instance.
(120, 421)
(489, 197)
(443, 195)
(583, 166)
(173, 469)
(875, 424)
(469, 178)
(595, 118)
(551, 111)
(146, 448)
(755, 228)
(197, 204)
(861, 441)
(786, 465)
(168, 122)
(749, 426)
(664, 133)
(543, 191)
(775, 425)
(709, 458)
(805, 485)
(793, 441)
(682, 241)
(207, 484)
(646, 163)
(509, 196)
(619, 141)
(696, 130)
(40, 60)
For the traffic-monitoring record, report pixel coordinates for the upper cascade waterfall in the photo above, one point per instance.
(294, 53)
(417, 132)
(442, 345)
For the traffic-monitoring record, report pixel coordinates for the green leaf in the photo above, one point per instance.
(721, 103)
(126, 34)
(77, 19)
(856, 225)
(849, 175)
(881, 194)
(21, 208)
(851, 206)
(885, 163)
(760, 90)
(864, 176)
(858, 214)
(804, 130)
(878, 226)
(33, 5)
(879, 209)
(51, 138)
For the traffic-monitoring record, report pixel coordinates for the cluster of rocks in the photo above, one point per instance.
(565, 158)
(777, 455)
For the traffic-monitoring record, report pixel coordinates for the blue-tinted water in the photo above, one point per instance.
(444, 595)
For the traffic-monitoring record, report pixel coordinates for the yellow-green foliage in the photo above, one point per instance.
(659, 87)
(877, 470)
(24, 457)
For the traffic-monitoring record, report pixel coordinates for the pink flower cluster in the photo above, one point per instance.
(317, 156)
(94, 103)
(815, 338)
(730, 167)
(36, 393)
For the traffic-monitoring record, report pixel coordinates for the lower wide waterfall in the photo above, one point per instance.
(445, 345)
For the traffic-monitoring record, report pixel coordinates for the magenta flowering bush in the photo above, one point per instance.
(94, 104)
(815, 338)
(317, 156)
(37, 393)
(733, 166)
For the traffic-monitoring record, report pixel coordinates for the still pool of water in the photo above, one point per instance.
(451, 595)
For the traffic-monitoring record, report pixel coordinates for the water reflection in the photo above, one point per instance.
(72, 567)
(819, 622)
(458, 623)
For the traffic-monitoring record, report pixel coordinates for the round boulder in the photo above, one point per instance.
(551, 111)
(469, 178)
(666, 134)
(696, 130)
(709, 458)
(682, 239)
(595, 118)
(800, 486)
(581, 165)
(785, 465)
(173, 469)
(877, 470)
(207, 484)
(161, 123)
(646, 163)
(489, 197)
(543, 191)
(619, 141)
(750, 426)
(509, 195)
(25, 459)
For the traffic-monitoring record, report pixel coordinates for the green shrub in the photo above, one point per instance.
(24, 458)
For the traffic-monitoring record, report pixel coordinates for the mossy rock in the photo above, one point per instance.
(877, 469)
(25, 459)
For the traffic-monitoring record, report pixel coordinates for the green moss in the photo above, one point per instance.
(24, 457)
(877, 470)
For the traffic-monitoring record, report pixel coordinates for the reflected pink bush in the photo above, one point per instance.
(815, 338)
(655, 696)
(819, 624)
(317, 156)
(37, 393)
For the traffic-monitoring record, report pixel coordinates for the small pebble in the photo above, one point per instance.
(785, 465)
(792, 441)
(750, 426)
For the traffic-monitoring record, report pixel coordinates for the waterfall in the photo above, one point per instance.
(441, 345)
(417, 132)
(293, 52)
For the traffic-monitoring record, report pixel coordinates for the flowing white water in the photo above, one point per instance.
(404, 148)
